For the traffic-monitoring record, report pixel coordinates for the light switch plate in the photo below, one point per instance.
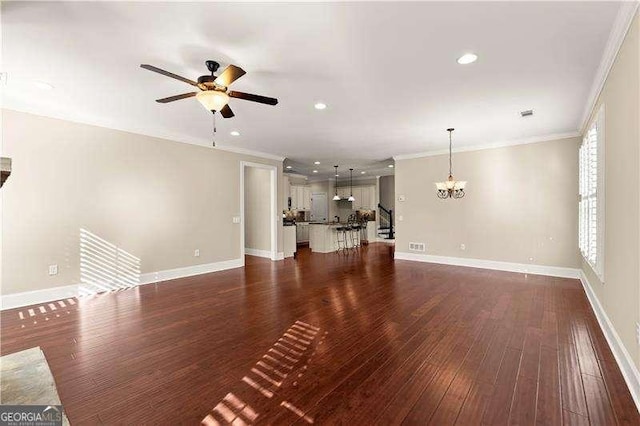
(53, 269)
(236, 219)
(196, 253)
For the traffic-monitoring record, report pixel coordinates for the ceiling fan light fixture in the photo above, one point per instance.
(213, 100)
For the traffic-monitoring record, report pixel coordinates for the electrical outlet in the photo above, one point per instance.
(53, 269)
(463, 247)
(236, 219)
(196, 253)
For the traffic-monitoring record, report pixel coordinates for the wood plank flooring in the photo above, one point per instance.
(331, 339)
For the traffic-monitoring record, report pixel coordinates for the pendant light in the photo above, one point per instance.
(351, 197)
(336, 197)
(450, 188)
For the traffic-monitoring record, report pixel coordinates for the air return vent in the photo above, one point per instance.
(417, 246)
(527, 113)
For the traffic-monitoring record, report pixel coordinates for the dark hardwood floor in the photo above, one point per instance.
(331, 339)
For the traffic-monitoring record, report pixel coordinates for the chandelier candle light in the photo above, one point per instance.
(450, 188)
(336, 197)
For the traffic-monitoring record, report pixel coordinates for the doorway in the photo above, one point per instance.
(319, 207)
(258, 210)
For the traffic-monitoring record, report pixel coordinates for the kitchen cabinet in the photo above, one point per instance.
(365, 196)
(300, 197)
(302, 232)
(306, 198)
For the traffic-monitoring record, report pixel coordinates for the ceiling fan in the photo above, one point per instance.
(214, 91)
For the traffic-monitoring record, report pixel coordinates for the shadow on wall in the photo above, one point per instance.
(104, 267)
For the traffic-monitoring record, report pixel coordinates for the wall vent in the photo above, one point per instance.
(527, 113)
(417, 246)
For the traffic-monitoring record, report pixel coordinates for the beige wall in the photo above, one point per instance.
(157, 199)
(257, 211)
(520, 204)
(619, 294)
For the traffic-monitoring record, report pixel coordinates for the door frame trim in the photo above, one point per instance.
(273, 216)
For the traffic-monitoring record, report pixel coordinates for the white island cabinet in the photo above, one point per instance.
(322, 237)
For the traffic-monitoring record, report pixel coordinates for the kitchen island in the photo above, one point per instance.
(323, 238)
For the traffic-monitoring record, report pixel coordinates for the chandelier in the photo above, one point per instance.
(450, 188)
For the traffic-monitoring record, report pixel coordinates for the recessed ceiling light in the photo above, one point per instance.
(43, 85)
(390, 166)
(362, 173)
(289, 167)
(316, 162)
(467, 58)
(320, 105)
(235, 133)
(315, 171)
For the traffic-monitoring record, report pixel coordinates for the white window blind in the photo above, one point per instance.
(591, 195)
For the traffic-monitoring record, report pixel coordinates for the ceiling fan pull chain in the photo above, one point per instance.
(214, 128)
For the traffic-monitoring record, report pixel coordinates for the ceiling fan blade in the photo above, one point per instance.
(253, 98)
(168, 74)
(229, 75)
(226, 112)
(176, 97)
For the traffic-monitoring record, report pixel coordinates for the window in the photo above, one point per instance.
(591, 204)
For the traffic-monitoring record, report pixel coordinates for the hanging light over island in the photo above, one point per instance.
(336, 197)
(351, 197)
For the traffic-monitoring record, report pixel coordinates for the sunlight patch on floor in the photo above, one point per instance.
(280, 367)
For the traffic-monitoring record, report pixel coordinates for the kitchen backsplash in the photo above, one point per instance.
(298, 216)
(366, 215)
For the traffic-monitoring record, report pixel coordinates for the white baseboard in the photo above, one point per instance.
(258, 253)
(16, 300)
(188, 271)
(525, 268)
(622, 356)
(264, 253)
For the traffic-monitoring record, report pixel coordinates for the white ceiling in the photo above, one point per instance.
(387, 71)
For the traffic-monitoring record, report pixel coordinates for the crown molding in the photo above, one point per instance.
(502, 144)
(173, 137)
(621, 25)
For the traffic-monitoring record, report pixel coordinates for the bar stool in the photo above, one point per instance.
(355, 236)
(354, 231)
(341, 238)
